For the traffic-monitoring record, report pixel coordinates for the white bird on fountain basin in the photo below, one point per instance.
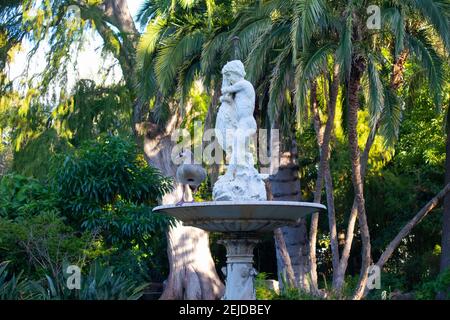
(189, 174)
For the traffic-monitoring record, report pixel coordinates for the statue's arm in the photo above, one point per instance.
(239, 86)
(226, 99)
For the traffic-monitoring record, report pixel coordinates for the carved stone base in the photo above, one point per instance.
(240, 282)
(240, 184)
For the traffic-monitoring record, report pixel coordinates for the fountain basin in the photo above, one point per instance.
(241, 222)
(240, 216)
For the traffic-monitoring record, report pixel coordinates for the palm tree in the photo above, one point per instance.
(359, 53)
(359, 61)
(292, 42)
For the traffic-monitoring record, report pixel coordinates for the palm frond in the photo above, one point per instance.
(279, 84)
(296, 37)
(210, 6)
(187, 77)
(187, 4)
(264, 48)
(146, 12)
(345, 48)
(437, 14)
(391, 116)
(310, 12)
(250, 32)
(376, 91)
(422, 48)
(211, 53)
(149, 40)
(145, 59)
(395, 19)
(171, 57)
(311, 65)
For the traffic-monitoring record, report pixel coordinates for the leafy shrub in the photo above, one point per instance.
(262, 291)
(95, 206)
(109, 188)
(13, 287)
(22, 197)
(286, 293)
(390, 283)
(429, 290)
(101, 283)
(40, 243)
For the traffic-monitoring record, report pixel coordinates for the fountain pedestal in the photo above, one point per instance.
(239, 271)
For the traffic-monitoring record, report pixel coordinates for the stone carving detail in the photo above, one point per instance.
(239, 271)
(235, 127)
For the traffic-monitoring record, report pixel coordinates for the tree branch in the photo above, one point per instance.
(433, 203)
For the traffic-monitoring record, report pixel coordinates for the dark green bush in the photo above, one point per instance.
(94, 205)
(109, 188)
(430, 289)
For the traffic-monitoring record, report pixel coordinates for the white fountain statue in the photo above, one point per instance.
(235, 126)
(240, 209)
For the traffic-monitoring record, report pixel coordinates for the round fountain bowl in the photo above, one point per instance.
(245, 216)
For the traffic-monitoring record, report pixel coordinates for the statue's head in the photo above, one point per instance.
(234, 70)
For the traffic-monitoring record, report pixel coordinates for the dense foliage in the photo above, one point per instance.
(46, 225)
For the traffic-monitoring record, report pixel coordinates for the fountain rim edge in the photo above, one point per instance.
(318, 206)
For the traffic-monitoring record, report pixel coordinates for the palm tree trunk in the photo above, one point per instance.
(285, 186)
(397, 81)
(356, 73)
(398, 69)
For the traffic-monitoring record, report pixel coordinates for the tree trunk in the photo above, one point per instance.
(356, 73)
(210, 121)
(338, 281)
(193, 274)
(324, 174)
(397, 81)
(284, 258)
(398, 69)
(433, 203)
(285, 186)
(318, 190)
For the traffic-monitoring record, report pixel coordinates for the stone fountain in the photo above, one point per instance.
(240, 209)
